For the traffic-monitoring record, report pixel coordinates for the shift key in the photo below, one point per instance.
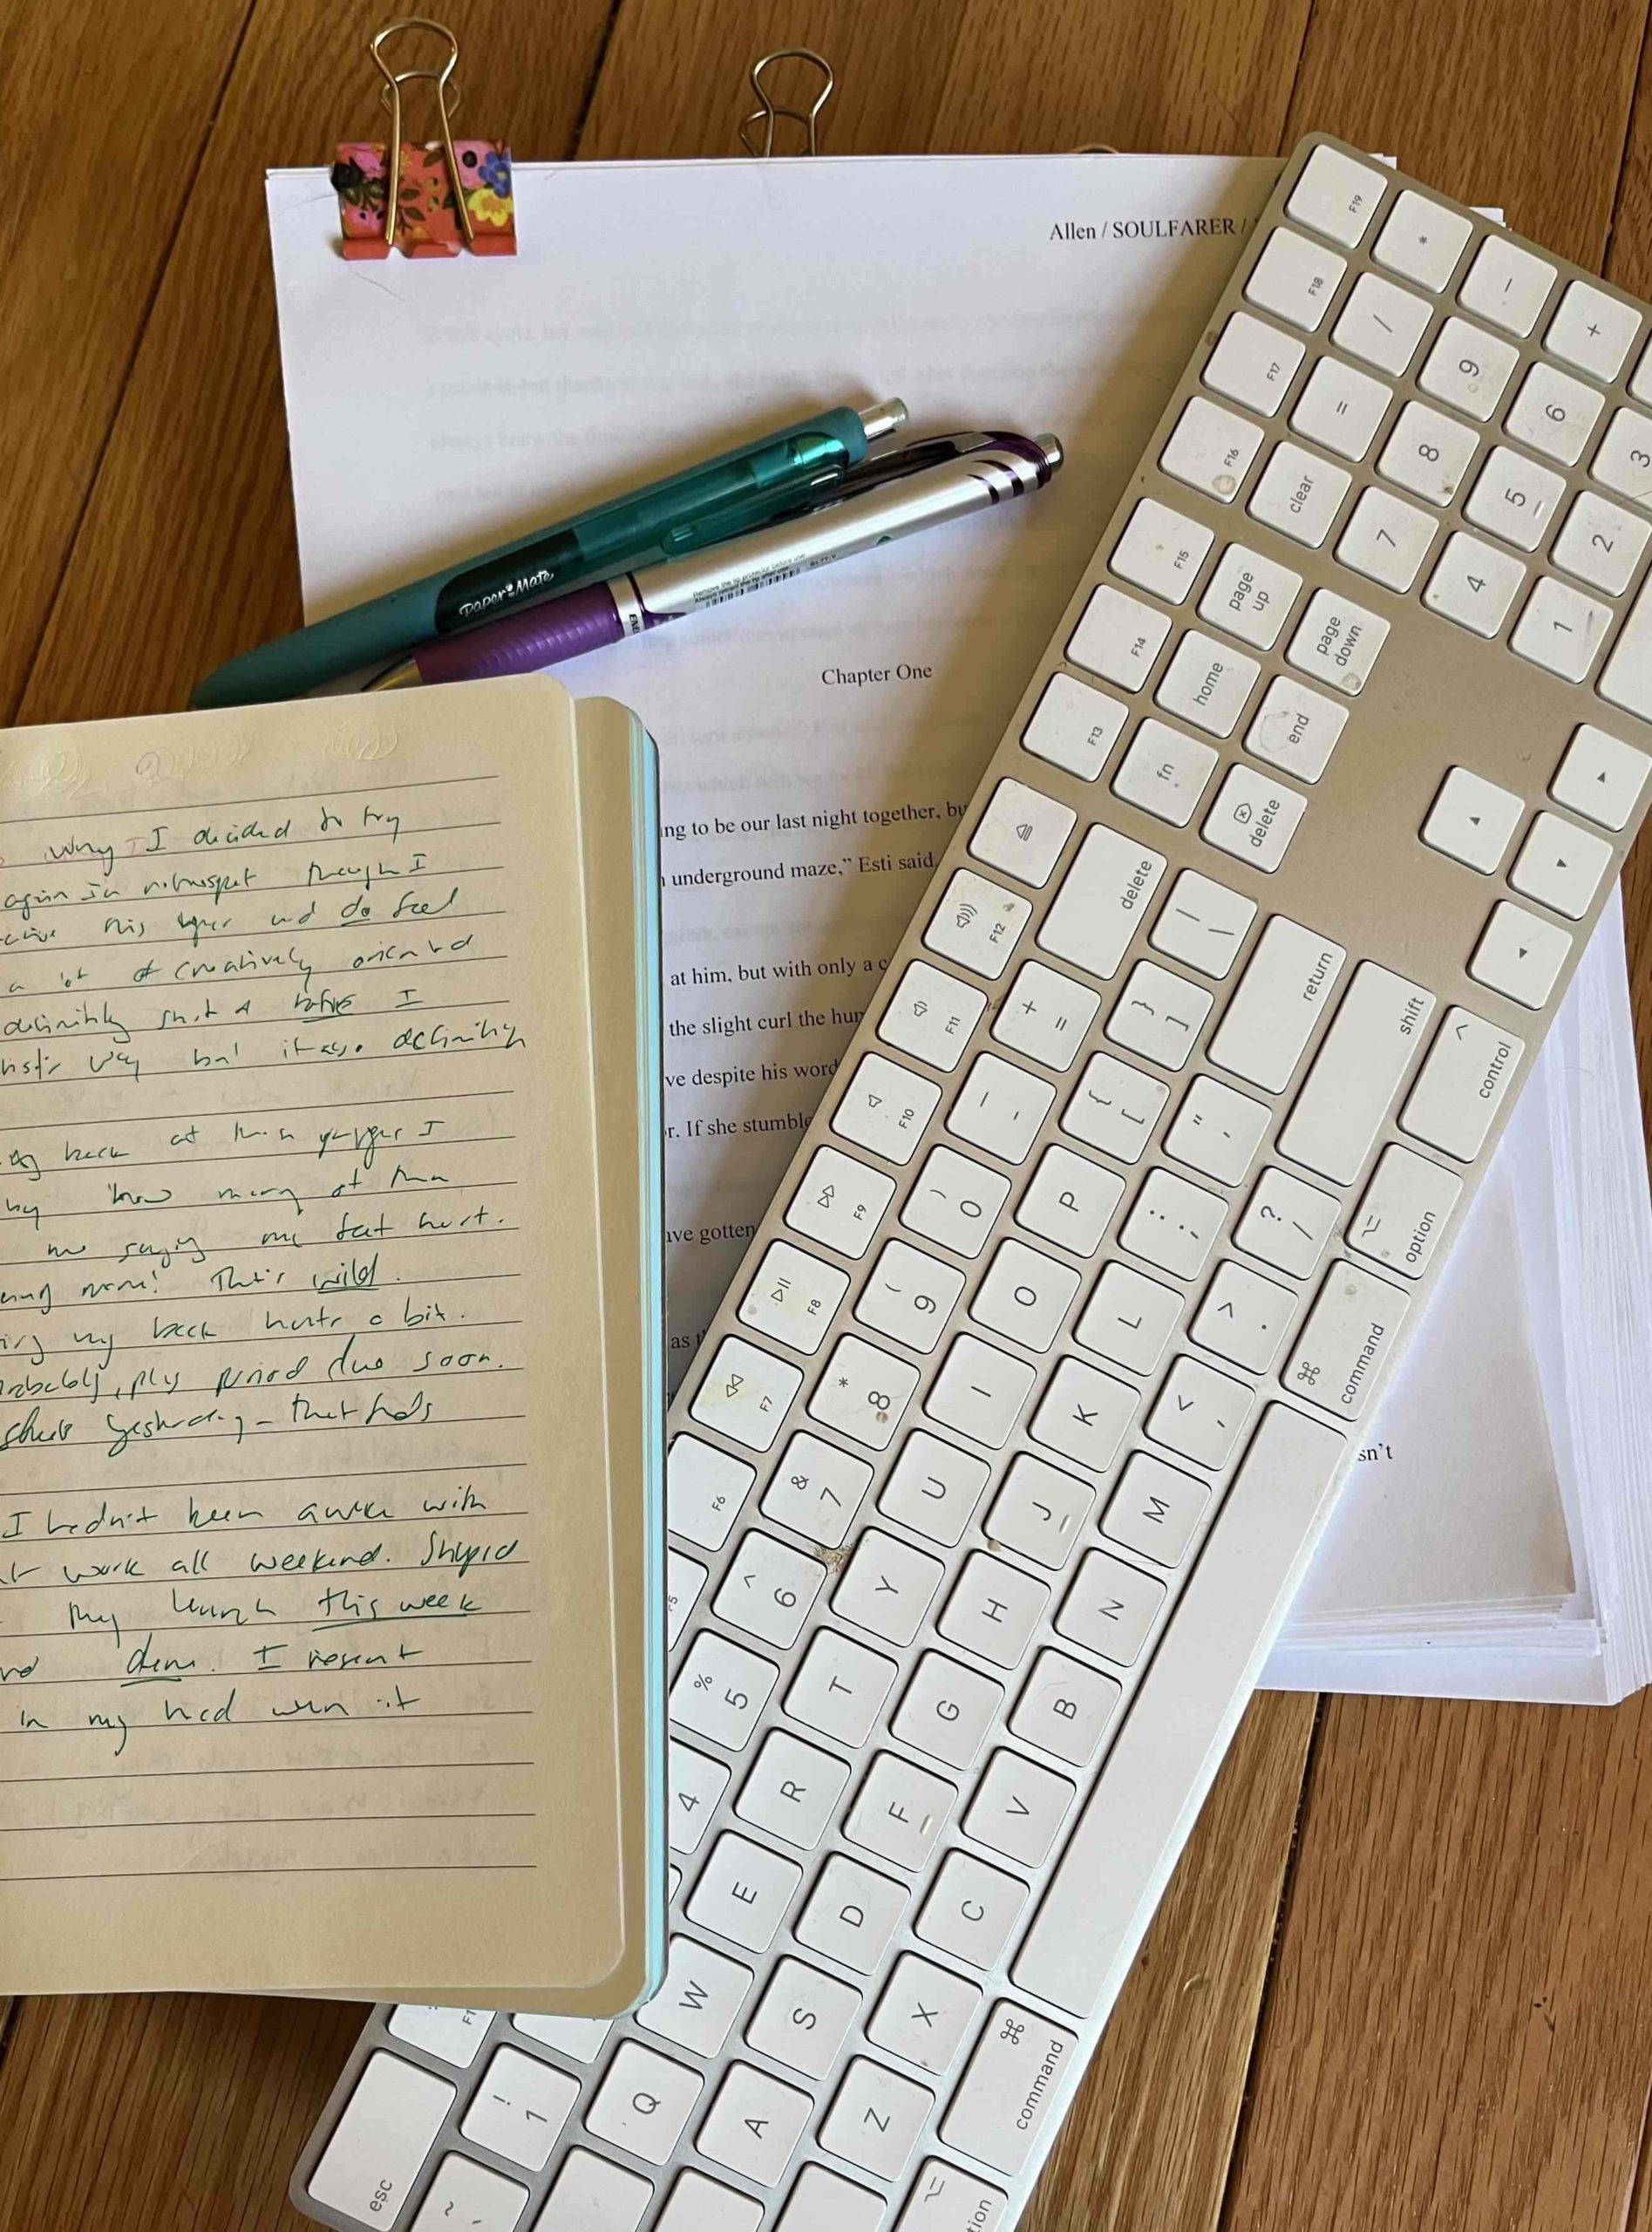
(1013, 2087)
(1462, 1084)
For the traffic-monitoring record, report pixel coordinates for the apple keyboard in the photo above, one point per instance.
(991, 1484)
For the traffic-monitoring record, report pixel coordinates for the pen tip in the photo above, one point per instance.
(884, 418)
(402, 677)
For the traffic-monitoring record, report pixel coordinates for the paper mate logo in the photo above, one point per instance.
(473, 608)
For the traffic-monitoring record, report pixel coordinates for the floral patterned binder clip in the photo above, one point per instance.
(451, 194)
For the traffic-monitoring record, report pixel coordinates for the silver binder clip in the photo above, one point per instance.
(757, 131)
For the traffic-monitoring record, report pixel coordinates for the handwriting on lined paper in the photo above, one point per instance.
(265, 1566)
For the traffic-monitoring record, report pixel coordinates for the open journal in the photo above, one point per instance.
(816, 742)
(331, 1382)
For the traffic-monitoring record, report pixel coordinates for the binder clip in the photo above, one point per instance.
(757, 131)
(450, 194)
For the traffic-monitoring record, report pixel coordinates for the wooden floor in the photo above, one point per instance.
(1404, 1977)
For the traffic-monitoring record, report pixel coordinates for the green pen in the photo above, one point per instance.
(743, 489)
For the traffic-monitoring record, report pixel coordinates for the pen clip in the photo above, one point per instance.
(917, 457)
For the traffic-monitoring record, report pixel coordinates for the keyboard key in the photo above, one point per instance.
(1601, 776)
(1515, 497)
(900, 1812)
(1337, 641)
(1129, 1318)
(979, 1391)
(1253, 362)
(1296, 279)
(768, 1588)
(1386, 540)
(803, 2018)
(1217, 1130)
(978, 923)
(1211, 449)
(1109, 1610)
(1463, 1084)
(885, 1106)
(1422, 239)
(1299, 493)
(1625, 679)
(593, 2195)
(851, 1914)
(1508, 284)
(1019, 1806)
(1254, 818)
(1375, 1037)
(816, 1489)
(1403, 1212)
(1561, 864)
(721, 1689)
(931, 1015)
(701, 2204)
(746, 1393)
(793, 1296)
(1039, 1512)
(1016, 2076)
(753, 2124)
(1046, 1015)
(684, 1579)
(1025, 1294)
(1203, 924)
(465, 2193)
(703, 1489)
(1071, 1200)
(1348, 1333)
(1560, 629)
(1065, 1708)
(1074, 726)
(1335, 195)
(822, 2202)
(1473, 584)
(1200, 1414)
(955, 1200)
(1118, 637)
(1114, 1106)
(1341, 409)
(698, 1999)
(887, 1586)
(909, 1296)
(452, 2034)
(1593, 331)
(1161, 550)
(1428, 453)
(863, 1391)
(379, 2143)
(1519, 955)
(694, 1784)
(1382, 324)
(993, 1610)
(1278, 1001)
(1295, 728)
(1000, 1107)
(645, 2100)
(838, 1202)
(946, 1711)
(1173, 1224)
(934, 1487)
(1164, 773)
(839, 1688)
(875, 2118)
(1206, 683)
(1159, 1014)
(1555, 413)
(1468, 368)
(924, 2012)
(1623, 462)
(1286, 1223)
(1084, 1414)
(579, 2036)
(971, 1910)
(1249, 595)
(1243, 1316)
(792, 1790)
(1022, 832)
(1600, 542)
(1103, 898)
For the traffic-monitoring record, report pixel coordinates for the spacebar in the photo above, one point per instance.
(1102, 1897)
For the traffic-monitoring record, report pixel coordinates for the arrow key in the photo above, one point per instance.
(1561, 864)
(1520, 956)
(1471, 820)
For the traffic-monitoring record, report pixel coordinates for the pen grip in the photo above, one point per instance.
(544, 635)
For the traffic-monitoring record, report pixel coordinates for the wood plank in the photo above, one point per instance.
(186, 552)
(106, 111)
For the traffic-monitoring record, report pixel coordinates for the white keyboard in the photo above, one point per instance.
(995, 1477)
